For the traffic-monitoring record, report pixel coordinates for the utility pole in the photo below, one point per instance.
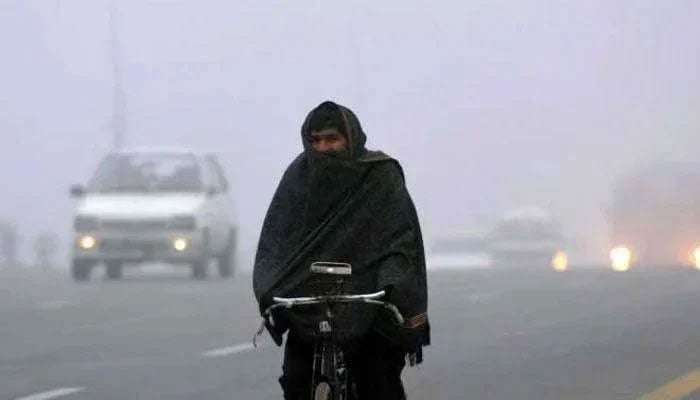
(118, 97)
(118, 120)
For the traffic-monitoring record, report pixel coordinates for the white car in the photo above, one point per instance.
(528, 237)
(154, 205)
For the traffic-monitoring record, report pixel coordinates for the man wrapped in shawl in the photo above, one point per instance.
(339, 202)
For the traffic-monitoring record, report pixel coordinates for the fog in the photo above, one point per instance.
(488, 105)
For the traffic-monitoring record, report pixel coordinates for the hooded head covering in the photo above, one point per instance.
(355, 210)
(331, 115)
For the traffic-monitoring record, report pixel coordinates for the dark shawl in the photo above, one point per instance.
(356, 211)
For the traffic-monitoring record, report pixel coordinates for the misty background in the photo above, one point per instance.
(488, 104)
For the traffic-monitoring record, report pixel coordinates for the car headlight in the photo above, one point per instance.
(87, 242)
(560, 262)
(183, 223)
(180, 244)
(696, 258)
(620, 258)
(86, 223)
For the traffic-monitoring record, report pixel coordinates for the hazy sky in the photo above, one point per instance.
(488, 104)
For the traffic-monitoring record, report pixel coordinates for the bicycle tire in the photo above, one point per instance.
(323, 391)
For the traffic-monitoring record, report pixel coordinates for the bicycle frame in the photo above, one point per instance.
(329, 360)
(329, 364)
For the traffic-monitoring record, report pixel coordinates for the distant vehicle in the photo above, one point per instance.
(528, 237)
(655, 217)
(459, 252)
(154, 205)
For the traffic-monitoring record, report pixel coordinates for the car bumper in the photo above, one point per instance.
(140, 247)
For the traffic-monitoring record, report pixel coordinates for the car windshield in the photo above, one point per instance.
(147, 173)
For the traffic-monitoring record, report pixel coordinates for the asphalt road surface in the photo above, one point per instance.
(589, 334)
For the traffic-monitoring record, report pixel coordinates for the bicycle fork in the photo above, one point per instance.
(329, 362)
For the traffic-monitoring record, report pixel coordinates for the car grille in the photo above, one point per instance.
(135, 225)
(133, 245)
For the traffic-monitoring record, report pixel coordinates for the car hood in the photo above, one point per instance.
(162, 205)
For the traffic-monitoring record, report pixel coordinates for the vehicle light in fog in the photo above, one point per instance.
(180, 244)
(620, 258)
(696, 258)
(87, 242)
(560, 261)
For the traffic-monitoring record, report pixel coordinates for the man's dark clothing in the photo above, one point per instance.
(356, 210)
(374, 366)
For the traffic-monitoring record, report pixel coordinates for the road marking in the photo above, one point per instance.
(52, 394)
(676, 389)
(227, 351)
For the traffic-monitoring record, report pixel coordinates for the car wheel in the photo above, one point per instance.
(200, 268)
(80, 270)
(114, 270)
(226, 261)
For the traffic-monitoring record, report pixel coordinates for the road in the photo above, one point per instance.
(589, 334)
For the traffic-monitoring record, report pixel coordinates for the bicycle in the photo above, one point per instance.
(329, 372)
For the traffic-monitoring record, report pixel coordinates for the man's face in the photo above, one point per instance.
(329, 141)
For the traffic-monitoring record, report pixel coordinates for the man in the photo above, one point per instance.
(339, 202)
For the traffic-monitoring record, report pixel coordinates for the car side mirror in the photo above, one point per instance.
(77, 191)
(331, 268)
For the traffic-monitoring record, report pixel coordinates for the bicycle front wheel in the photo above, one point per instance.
(323, 391)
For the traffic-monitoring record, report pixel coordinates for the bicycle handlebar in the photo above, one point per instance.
(293, 300)
(289, 302)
